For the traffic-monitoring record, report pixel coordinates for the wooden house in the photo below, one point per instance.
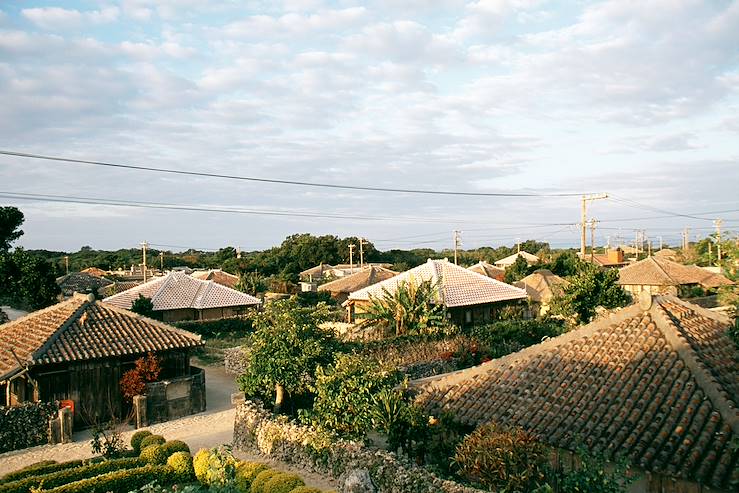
(77, 351)
(341, 288)
(658, 275)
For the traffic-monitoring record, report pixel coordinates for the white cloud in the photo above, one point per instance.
(57, 18)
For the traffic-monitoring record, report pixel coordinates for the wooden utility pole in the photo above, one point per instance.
(361, 253)
(718, 223)
(649, 244)
(161, 261)
(143, 248)
(66, 263)
(584, 219)
(457, 244)
(592, 240)
(660, 243)
(351, 257)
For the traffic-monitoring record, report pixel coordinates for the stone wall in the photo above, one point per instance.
(175, 398)
(256, 430)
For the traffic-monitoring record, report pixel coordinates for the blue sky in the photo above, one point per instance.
(637, 99)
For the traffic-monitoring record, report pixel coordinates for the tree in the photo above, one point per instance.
(11, 219)
(517, 271)
(286, 348)
(143, 306)
(566, 264)
(251, 283)
(410, 309)
(587, 290)
(27, 281)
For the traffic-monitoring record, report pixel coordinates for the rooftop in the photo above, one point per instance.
(487, 269)
(660, 271)
(217, 275)
(354, 282)
(509, 260)
(655, 382)
(540, 285)
(81, 282)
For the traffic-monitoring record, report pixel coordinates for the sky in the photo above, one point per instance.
(639, 100)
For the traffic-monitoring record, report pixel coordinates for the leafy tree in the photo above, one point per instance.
(286, 349)
(517, 271)
(590, 288)
(143, 306)
(11, 219)
(27, 281)
(251, 283)
(410, 309)
(566, 264)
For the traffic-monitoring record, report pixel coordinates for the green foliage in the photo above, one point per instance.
(235, 326)
(68, 475)
(153, 454)
(306, 489)
(26, 280)
(251, 283)
(505, 337)
(107, 439)
(215, 467)
(286, 349)
(11, 219)
(257, 486)
(411, 308)
(245, 474)
(312, 298)
(283, 483)
(172, 446)
(143, 306)
(593, 474)
(121, 480)
(136, 439)
(505, 460)
(25, 425)
(345, 392)
(517, 271)
(181, 463)
(152, 440)
(590, 288)
(565, 264)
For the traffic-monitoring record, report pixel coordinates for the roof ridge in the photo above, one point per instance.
(152, 321)
(668, 276)
(700, 373)
(165, 282)
(38, 312)
(61, 329)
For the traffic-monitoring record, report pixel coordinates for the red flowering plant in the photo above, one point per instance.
(134, 381)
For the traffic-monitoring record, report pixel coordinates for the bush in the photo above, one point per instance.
(592, 474)
(257, 486)
(154, 454)
(134, 381)
(283, 483)
(26, 425)
(127, 480)
(200, 464)
(136, 439)
(173, 446)
(497, 458)
(306, 489)
(181, 463)
(152, 440)
(53, 479)
(47, 467)
(216, 328)
(215, 467)
(245, 474)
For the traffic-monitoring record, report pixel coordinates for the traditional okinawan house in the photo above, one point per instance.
(77, 351)
(118, 287)
(95, 271)
(506, 262)
(217, 275)
(342, 287)
(656, 382)
(667, 253)
(541, 286)
(470, 298)
(310, 278)
(178, 296)
(81, 282)
(489, 270)
(657, 275)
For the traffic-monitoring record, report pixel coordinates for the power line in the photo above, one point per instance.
(287, 182)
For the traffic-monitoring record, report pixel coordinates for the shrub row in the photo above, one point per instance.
(211, 328)
(122, 480)
(26, 425)
(65, 476)
(46, 467)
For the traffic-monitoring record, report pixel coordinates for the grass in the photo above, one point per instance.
(212, 353)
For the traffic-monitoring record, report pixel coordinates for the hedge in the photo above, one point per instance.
(211, 328)
(126, 480)
(136, 439)
(283, 483)
(26, 425)
(68, 475)
(46, 467)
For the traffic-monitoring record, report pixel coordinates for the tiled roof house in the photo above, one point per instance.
(470, 298)
(78, 350)
(217, 275)
(95, 271)
(178, 296)
(489, 270)
(81, 282)
(656, 382)
(509, 260)
(541, 285)
(342, 287)
(658, 275)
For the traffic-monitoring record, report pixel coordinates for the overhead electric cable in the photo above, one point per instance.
(288, 182)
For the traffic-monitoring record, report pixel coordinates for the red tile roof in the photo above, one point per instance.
(80, 329)
(541, 285)
(660, 271)
(658, 386)
(357, 281)
(217, 275)
(489, 270)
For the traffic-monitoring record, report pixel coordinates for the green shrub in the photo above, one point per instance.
(245, 474)
(200, 464)
(181, 463)
(120, 481)
(173, 446)
(257, 486)
(25, 425)
(306, 489)
(593, 474)
(47, 467)
(136, 439)
(283, 483)
(215, 467)
(217, 328)
(501, 459)
(154, 454)
(152, 440)
(69, 475)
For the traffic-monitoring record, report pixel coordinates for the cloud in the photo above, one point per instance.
(57, 18)
(294, 24)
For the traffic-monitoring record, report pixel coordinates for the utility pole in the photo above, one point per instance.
(143, 248)
(161, 261)
(592, 240)
(351, 257)
(649, 243)
(238, 252)
(660, 243)
(66, 263)
(636, 244)
(583, 217)
(686, 239)
(361, 253)
(457, 244)
(718, 223)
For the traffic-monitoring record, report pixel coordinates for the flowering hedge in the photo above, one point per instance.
(25, 425)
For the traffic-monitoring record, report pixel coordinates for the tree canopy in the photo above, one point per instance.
(588, 289)
(11, 219)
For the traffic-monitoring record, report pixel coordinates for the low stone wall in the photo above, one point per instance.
(255, 429)
(175, 398)
(235, 360)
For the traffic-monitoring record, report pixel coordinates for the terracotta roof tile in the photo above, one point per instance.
(359, 280)
(660, 271)
(178, 290)
(81, 282)
(217, 275)
(80, 329)
(489, 270)
(457, 286)
(540, 284)
(657, 386)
